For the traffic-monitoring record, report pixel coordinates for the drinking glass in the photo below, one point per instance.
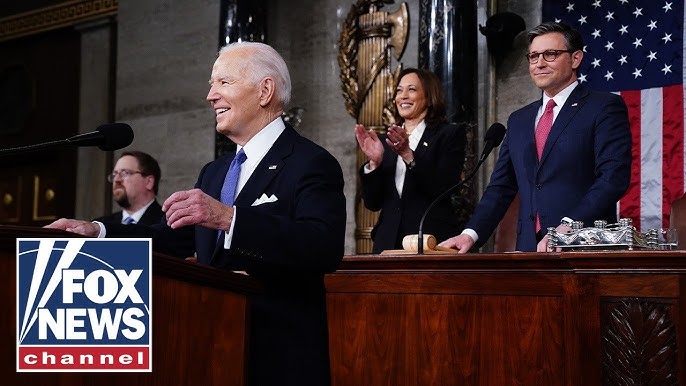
(667, 238)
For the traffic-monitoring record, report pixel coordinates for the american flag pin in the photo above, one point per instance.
(426, 144)
(272, 167)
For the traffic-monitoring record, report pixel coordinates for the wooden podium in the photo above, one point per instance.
(199, 324)
(567, 319)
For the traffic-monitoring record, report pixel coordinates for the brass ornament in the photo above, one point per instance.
(363, 57)
(59, 15)
(368, 82)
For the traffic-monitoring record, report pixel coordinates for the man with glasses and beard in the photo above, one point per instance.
(135, 183)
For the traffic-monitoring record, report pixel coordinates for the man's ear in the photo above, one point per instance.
(149, 182)
(267, 90)
(576, 59)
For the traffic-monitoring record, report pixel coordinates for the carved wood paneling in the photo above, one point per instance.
(639, 343)
(508, 319)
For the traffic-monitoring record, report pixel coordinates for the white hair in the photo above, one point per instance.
(265, 62)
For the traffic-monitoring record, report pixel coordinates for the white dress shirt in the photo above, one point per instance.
(400, 166)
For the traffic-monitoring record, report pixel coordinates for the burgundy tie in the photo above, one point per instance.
(543, 127)
(542, 131)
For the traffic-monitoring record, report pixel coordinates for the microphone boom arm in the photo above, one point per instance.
(30, 148)
(420, 233)
(109, 136)
(494, 136)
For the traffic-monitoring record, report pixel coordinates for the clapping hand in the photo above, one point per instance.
(370, 144)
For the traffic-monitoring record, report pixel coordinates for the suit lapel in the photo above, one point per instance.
(568, 111)
(425, 142)
(271, 165)
(529, 140)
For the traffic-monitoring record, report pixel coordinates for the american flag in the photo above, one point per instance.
(635, 48)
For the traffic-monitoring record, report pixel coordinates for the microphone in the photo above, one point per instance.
(109, 136)
(494, 136)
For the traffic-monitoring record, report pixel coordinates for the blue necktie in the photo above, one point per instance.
(128, 220)
(231, 180)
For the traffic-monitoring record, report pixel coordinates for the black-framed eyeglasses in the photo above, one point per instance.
(548, 55)
(124, 173)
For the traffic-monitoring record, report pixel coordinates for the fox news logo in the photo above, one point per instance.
(84, 305)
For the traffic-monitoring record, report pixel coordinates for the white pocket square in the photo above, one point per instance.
(264, 199)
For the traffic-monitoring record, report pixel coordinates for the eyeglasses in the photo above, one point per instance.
(548, 55)
(124, 173)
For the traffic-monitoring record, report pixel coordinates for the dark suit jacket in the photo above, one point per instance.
(288, 245)
(583, 172)
(439, 159)
(151, 216)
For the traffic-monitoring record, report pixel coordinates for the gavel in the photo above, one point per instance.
(430, 244)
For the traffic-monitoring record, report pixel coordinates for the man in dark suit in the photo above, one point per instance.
(286, 226)
(135, 183)
(577, 172)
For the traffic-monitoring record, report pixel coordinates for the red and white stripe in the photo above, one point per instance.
(656, 117)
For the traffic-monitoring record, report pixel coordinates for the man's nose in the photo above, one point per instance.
(212, 95)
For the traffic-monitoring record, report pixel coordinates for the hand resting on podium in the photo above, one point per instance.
(85, 228)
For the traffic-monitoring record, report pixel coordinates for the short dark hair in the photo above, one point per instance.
(572, 37)
(148, 166)
(436, 110)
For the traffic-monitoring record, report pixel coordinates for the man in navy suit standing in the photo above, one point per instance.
(568, 154)
(281, 218)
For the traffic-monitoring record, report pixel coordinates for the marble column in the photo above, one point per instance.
(447, 46)
(98, 49)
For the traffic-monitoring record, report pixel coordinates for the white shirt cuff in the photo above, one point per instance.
(366, 168)
(228, 235)
(103, 231)
(566, 221)
(470, 232)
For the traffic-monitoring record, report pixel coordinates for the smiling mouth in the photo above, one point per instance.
(221, 111)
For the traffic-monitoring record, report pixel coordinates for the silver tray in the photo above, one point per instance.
(620, 236)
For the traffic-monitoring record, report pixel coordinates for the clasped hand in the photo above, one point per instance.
(371, 146)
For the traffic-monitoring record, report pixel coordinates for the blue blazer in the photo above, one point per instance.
(439, 159)
(288, 245)
(584, 170)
